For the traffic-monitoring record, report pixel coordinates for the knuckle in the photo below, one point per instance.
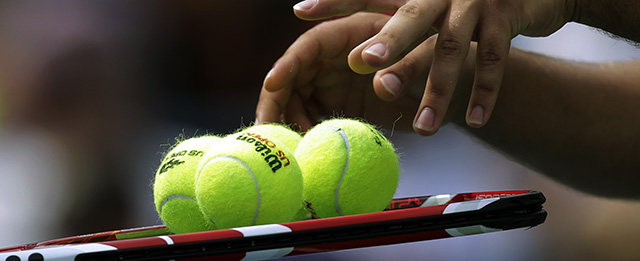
(391, 36)
(449, 46)
(485, 89)
(325, 26)
(489, 58)
(437, 92)
(411, 10)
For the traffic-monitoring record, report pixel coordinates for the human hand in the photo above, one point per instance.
(491, 23)
(312, 80)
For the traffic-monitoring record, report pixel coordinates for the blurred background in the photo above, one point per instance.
(92, 93)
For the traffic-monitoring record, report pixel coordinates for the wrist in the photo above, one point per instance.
(616, 17)
(574, 8)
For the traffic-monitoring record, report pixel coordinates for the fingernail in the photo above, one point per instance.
(305, 5)
(269, 73)
(266, 78)
(392, 83)
(477, 115)
(426, 120)
(378, 50)
(363, 43)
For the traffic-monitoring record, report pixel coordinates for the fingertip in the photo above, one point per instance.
(308, 10)
(422, 132)
(305, 5)
(279, 76)
(391, 86)
(300, 122)
(356, 60)
(263, 115)
(476, 117)
(266, 83)
(425, 122)
(375, 55)
(269, 107)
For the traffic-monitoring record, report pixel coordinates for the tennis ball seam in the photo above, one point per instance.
(253, 176)
(358, 158)
(175, 196)
(347, 146)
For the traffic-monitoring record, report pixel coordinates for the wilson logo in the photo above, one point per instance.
(174, 162)
(268, 150)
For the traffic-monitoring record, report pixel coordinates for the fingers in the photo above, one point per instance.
(324, 42)
(395, 81)
(322, 9)
(269, 109)
(410, 23)
(458, 22)
(492, 51)
(271, 105)
(450, 52)
(320, 49)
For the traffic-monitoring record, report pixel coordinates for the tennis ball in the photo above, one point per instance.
(283, 133)
(248, 179)
(174, 186)
(348, 168)
(291, 139)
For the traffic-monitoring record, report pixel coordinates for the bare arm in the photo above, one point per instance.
(577, 123)
(619, 17)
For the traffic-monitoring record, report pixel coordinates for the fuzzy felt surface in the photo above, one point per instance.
(182, 215)
(249, 179)
(349, 168)
(174, 186)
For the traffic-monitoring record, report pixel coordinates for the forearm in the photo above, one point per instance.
(619, 17)
(577, 123)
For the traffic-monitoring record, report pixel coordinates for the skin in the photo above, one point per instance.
(575, 122)
(491, 23)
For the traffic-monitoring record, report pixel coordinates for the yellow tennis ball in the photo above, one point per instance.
(291, 139)
(348, 168)
(248, 179)
(174, 186)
